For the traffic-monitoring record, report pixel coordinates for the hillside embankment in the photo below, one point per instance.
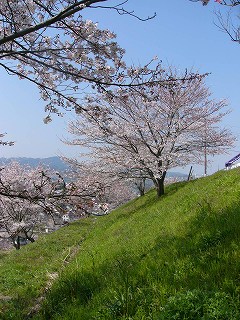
(177, 257)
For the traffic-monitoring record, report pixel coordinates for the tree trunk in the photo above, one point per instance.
(160, 187)
(159, 183)
(16, 242)
(141, 189)
(141, 186)
(28, 237)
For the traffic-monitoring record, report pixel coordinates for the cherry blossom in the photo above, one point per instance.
(147, 132)
(105, 189)
(3, 142)
(228, 3)
(32, 199)
(51, 45)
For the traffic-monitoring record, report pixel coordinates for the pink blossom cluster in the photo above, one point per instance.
(50, 44)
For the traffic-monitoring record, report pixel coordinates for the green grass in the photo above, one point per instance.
(24, 274)
(177, 257)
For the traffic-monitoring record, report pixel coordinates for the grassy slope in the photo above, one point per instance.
(173, 258)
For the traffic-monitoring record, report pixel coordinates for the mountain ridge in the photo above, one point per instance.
(58, 164)
(54, 162)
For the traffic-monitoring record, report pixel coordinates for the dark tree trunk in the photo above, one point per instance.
(160, 187)
(16, 242)
(28, 237)
(159, 184)
(141, 186)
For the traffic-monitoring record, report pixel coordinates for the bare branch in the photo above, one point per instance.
(122, 11)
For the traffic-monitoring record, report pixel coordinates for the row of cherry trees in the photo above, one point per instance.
(138, 122)
(132, 136)
(49, 44)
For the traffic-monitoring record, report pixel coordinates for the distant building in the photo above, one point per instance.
(231, 163)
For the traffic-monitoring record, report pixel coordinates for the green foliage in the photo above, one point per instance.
(177, 257)
(26, 274)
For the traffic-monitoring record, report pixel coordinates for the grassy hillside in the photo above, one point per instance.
(177, 257)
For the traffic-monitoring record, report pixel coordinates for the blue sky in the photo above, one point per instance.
(182, 34)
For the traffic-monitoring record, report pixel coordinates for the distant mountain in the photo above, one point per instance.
(58, 164)
(53, 162)
(171, 174)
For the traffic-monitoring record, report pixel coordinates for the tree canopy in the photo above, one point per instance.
(157, 127)
(50, 44)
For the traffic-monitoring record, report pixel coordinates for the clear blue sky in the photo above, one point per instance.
(183, 34)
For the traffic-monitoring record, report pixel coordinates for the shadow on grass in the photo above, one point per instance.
(195, 277)
(208, 255)
(174, 187)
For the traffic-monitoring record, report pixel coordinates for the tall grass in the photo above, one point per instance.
(177, 257)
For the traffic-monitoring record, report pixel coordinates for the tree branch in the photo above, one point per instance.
(67, 12)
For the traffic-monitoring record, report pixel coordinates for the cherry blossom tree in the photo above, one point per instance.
(154, 129)
(19, 220)
(32, 197)
(26, 194)
(51, 45)
(109, 190)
